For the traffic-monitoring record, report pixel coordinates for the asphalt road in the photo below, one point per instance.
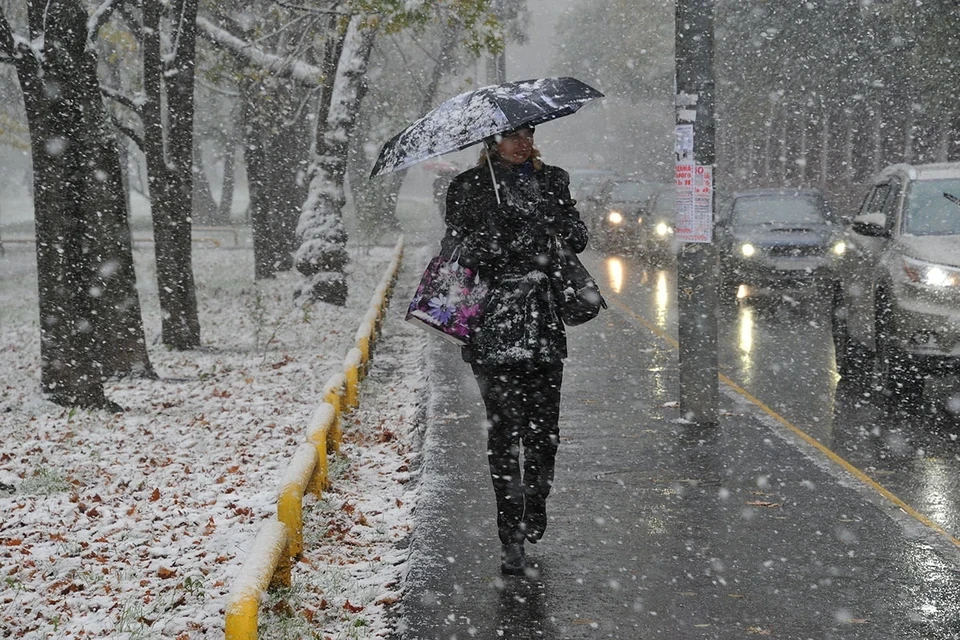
(807, 513)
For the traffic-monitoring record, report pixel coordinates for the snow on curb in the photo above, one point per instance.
(303, 470)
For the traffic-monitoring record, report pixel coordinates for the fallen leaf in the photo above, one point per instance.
(758, 631)
(165, 573)
(352, 608)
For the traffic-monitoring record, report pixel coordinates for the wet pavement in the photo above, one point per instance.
(661, 529)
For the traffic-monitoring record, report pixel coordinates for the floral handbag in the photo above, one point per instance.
(450, 300)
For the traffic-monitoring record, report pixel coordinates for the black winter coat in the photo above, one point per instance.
(513, 245)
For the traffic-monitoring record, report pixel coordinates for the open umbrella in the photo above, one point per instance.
(472, 116)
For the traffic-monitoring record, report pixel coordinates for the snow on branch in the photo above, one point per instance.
(281, 66)
(100, 17)
(299, 7)
(12, 46)
(134, 104)
(129, 132)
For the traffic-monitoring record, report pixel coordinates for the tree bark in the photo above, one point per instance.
(90, 323)
(225, 206)
(169, 165)
(322, 253)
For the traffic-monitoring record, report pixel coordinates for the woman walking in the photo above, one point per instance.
(510, 232)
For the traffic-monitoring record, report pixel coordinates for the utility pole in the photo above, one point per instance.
(697, 280)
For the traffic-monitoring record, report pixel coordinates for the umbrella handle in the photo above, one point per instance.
(493, 176)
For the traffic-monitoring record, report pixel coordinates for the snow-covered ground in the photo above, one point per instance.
(132, 525)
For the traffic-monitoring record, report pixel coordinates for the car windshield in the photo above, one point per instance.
(933, 208)
(630, 192)
(777, 210)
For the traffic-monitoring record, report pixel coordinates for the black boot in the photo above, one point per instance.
(513, 561)
(534, 519)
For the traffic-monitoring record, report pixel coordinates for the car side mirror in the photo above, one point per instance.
(872, 225)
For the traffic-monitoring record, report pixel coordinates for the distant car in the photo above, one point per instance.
(898, 298)
(776, 241)
(657, 227)
(616, 216)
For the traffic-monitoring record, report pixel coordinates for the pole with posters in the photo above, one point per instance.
(697, 279)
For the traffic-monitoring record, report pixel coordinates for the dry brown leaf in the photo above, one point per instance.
(352, 608)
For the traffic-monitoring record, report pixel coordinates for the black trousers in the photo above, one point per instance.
(523, 408)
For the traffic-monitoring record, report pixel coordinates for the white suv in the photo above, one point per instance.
(897, 299)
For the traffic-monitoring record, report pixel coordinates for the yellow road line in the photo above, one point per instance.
(831, 455)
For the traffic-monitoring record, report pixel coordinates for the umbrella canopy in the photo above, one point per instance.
(472, 116)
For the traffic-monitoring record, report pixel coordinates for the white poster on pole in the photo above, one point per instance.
(702, 230)
(694, 184)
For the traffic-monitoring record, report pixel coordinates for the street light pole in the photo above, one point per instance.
(697, 280)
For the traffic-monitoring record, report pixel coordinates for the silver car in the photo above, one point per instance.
(897, 301)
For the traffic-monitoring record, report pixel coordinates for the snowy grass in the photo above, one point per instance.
(132, 525)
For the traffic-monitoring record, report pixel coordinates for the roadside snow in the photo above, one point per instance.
(132, 525)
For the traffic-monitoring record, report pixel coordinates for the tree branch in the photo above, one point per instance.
(335, 11)
(116, 96)
(100, 17)
(129, 132)
(281, 67)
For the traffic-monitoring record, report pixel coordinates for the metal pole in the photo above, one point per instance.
(697, 279)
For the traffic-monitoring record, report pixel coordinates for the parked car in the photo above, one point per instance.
(776, 241)
(897, 301)
(616, 214)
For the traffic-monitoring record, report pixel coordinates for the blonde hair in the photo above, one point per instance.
(490, 148)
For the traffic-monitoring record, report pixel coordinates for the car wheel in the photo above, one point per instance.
(901, 379)
(848, 353)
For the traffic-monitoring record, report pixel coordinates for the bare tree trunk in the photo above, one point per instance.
(322, 253)
(377, 201)
(225, 205)
(266, 244)
(204, 206)
(878, 159)
(170, 169)
(89, 307)
(824, 147)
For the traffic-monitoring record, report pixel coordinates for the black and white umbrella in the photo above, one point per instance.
(472, 116)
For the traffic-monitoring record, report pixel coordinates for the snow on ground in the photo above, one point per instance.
(132, 525)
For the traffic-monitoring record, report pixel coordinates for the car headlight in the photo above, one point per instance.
(615, 217)
(747, 249)
(839, 248)
(663, 229)
(930, 274)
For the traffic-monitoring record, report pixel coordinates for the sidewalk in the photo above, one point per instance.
(660, 529)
